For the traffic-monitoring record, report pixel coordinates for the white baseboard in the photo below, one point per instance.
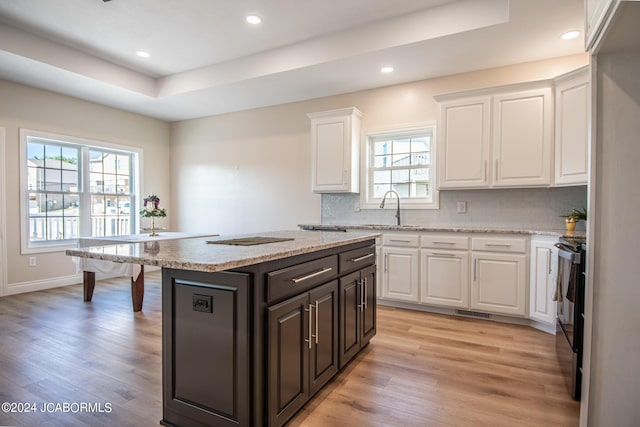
(40, 285)
(550, 329)
(56, 282)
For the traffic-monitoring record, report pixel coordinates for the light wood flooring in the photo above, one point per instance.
(419, 370)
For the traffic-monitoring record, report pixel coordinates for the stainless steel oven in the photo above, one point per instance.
(570, 298)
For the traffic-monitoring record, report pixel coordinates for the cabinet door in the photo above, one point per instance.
(445, 278)
(350, 336)
(400, 274)
(542, 283)
(288, 363)
(499, 283)
(323, 362)
(522, 137)
(335, 151)
(463, 147)
(572, 120)
(368, 310)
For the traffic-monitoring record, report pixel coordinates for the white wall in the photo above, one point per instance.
(614, 389)
(31, 108)
(250, 171)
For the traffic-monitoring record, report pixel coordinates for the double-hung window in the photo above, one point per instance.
(402, 161)
(75, 188)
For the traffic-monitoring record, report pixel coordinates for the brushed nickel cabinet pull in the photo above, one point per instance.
(312, 275)
(361, 258)
(316, 335)
(444, 243)
(310, 325)
(441, 254)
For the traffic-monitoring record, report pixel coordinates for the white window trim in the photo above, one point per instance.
(26, 247)
(366, 202)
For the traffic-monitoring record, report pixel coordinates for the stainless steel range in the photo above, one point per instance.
(570, 297)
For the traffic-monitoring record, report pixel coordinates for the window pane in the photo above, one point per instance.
(382, 161)
(71, 216)
(420, 144)
(401, 159)
(123, 164)
(95, 161)
(382, 148)
(380, 189)
(96, 183)
(402, 189)
(421, 189)
(109, 183)
(382, 177)
(401, 146)
(400, 176)
(421, 158)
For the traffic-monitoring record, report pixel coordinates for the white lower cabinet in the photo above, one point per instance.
(499, 283)
(445, 278)
(542, 281)
(400, 274)
(487, 274)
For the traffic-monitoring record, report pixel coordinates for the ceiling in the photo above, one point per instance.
(205, 59)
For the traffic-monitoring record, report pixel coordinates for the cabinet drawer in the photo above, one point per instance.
(412, 240)
(356, 259)
(301, 277)
(499, 244)
(445, 242)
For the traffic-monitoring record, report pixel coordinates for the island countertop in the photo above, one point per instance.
(198, 255)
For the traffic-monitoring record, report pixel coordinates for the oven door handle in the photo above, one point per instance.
(564, 252)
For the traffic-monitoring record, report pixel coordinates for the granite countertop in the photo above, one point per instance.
(448, 229)
(196, 254)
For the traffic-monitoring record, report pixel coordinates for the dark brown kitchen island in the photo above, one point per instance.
(251, 333)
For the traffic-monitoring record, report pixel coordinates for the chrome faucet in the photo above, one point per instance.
(398, 209)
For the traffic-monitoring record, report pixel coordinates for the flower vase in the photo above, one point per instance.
(153, 227)
(571, 225)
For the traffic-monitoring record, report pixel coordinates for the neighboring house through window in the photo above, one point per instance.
(402, 161)
(74, 188)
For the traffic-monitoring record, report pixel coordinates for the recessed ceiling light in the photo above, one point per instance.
(253, 19)
(570, 35)
(143, 54)
(386, 70)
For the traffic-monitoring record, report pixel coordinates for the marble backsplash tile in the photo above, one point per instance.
(513, 208)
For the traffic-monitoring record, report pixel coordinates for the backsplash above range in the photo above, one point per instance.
(504, 208)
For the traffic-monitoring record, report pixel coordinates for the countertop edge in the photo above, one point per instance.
(213, 266)
(449, 229)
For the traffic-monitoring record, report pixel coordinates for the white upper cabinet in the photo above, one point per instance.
(522, 138)
(464, 127)
(499, 137)
(335, 155)
(572, 121)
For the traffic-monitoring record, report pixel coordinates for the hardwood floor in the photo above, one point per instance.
(420, 370)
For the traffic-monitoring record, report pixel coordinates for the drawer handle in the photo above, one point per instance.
(361, 258)
(441, 254)
(444, 243)
(497, 245)
(399, 240)
(312, 275)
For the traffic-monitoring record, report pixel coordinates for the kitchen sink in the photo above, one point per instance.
(249, 241)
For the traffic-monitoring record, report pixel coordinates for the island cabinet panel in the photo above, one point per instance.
(249, 347)
(205, 355)
(357, 312)
(303, 350)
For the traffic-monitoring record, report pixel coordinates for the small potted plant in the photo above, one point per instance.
(575, 216)
(152, 210)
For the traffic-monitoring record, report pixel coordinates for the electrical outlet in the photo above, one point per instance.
(32, 261)
(461, 207)
(356, 207)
